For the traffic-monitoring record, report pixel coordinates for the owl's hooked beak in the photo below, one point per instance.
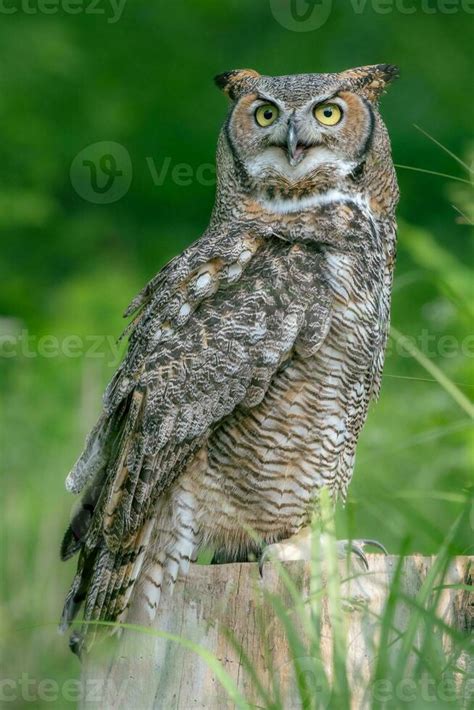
(295, 150)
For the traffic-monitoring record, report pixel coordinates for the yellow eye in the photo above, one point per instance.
(328, 114)
(266, 114)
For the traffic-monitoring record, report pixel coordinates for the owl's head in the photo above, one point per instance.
(294, 135)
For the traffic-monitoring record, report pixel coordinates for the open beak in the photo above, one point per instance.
(295, 150)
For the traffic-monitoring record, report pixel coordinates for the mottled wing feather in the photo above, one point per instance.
(224, 354)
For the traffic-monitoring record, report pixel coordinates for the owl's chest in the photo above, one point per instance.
(272, 459)
(314, 410)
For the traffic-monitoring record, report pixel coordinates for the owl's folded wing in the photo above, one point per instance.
(212, 332)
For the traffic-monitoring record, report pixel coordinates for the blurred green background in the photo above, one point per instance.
(69, 266)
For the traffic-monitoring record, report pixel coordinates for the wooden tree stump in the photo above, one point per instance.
(146, 672)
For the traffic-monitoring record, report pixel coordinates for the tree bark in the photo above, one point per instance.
(146, 672)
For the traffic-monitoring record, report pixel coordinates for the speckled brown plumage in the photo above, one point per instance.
(253, 355)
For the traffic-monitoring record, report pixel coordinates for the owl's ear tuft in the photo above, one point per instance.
(372, 80)
(237, 82)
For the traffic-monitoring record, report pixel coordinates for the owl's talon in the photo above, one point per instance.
(357, 547)
(376, 543)
(359, 552)
(296, 547)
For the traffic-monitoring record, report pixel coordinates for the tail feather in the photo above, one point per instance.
(126, 585)
(77, 592)
(83, 590)
(108, 527)
(104, 582)
(121, 576)
(71, 605)
(81, 519)
(70, 544)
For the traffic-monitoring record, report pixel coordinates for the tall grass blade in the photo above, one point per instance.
(214, 664)
(432, 172)
(434, 370)
(443, 147)
(387, 622)
(341, 693)
(436, 571)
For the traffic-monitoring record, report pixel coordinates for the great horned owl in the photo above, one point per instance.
(253, 354)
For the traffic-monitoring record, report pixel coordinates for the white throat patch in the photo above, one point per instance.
(280, 206)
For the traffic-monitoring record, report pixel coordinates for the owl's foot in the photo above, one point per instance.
(298, 547)
(356, 547)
